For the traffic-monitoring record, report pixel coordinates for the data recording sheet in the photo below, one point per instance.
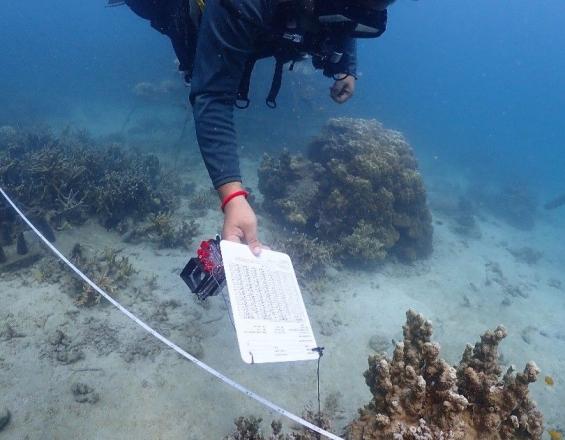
(268, 310)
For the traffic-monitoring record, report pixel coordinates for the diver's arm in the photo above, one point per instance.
(224, 45)
(348, 62)
(345, 72)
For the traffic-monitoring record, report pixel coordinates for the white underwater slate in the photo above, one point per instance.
(268, 311)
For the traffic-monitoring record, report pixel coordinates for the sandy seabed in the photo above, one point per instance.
(90, 373)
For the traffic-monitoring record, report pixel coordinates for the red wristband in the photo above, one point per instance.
(232, 196)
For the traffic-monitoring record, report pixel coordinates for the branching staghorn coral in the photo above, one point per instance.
(68, 178)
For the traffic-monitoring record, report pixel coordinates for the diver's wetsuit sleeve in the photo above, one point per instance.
(350, 55)
(224, 45)
(348, 62)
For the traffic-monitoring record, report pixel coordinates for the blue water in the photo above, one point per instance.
(465, 81)
(477, 87)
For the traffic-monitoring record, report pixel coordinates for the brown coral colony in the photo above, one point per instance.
(358, 191)
(417, 395)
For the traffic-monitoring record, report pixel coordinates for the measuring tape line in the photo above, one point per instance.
(166, 341)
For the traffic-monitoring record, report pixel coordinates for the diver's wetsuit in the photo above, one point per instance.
(225, 43)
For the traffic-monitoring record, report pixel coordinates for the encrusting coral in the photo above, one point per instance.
(358, 191)
(419, 396)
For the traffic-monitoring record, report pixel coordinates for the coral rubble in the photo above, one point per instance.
(165, 231)
(419, 396)
(106, 269)
(358, 190)
(84, 393)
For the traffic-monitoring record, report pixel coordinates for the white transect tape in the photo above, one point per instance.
(167, 342)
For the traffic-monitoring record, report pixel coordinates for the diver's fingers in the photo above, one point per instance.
(254, 243)
(231, 237)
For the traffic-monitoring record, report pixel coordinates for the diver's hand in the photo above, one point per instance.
(240, 222)
(343, 89)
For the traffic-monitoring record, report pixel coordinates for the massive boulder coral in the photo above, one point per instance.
(419, 396)
(358, 191)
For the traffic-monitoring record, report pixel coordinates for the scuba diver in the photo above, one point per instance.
(217, 43)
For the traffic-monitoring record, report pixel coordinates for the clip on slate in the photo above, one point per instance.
(204, 274)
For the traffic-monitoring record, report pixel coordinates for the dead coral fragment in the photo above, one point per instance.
(108, 271)
(165, 231)
(202, 201)
(84, 393)
(417, 395)
(358, 190)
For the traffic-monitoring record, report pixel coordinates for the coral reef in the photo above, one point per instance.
(358, 191)
(106, 269)
(162, 229)
(202, 201)
(249, 428)
(418, 396)
(61, 348)
(309, 255)
(65, 179)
